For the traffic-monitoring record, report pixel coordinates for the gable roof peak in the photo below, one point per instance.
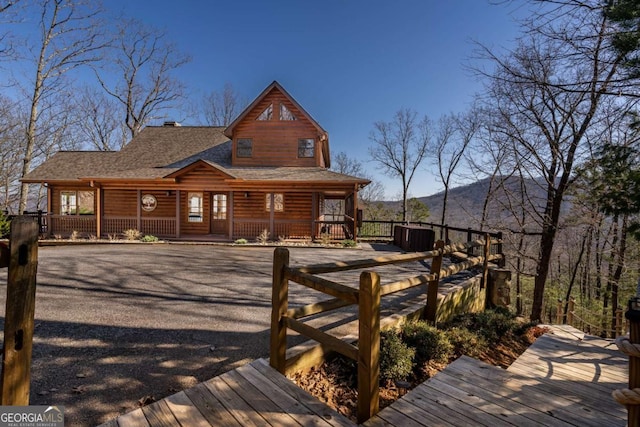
(274, 85)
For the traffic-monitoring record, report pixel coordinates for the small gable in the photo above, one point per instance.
(200, 172)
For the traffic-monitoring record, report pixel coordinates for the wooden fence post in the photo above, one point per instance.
(572, 307)
(633, 314)
(485, 263)
(431, 309)
(499, 250)
(618, 327)
(279, 307)
(368, 346)
(559, 316)
(20, 307)
(469, 239)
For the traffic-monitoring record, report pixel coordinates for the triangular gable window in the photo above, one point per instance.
(266, 114)
(285, 113)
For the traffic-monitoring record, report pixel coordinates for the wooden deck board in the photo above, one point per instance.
(301, 413)
(258, 401)
(133, 419)
(231, 400)
(210, 407)
(564, 379)
(185, 411)
(310, 402)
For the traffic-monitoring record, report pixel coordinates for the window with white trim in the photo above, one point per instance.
(77, 203)
(196, 210)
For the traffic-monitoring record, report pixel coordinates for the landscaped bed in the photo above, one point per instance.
(417, 352)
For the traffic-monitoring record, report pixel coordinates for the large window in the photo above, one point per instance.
(278, 202)
(77, 203)
(244, 147)
(219, 208)
(195, 207)
(306, 147)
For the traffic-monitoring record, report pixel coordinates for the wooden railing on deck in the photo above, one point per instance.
(368, 297)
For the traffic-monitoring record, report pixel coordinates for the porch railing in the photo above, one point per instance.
(291, 229)
(67, 224)
(160, 227)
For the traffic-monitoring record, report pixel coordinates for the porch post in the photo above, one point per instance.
(178, 214)
(98, 212)
(230, 215)
(139, 211)
(272, 215)
(315, 213)
(49, 210)
(355, 213)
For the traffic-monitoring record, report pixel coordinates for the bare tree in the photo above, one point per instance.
(68, 38)
(97, 120)
(400, 146)
(11, 149)
(547, 95)
(454, 134)
(370, 194)
(145, 62)
(221, 108)
(7, 7)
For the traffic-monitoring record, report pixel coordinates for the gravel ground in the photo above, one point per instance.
(121, 323)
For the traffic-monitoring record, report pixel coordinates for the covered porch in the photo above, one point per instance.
(204, 215)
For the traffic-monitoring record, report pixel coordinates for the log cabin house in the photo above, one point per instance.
(268, 170)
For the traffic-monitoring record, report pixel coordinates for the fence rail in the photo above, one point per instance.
(591, 322)
(368, 298)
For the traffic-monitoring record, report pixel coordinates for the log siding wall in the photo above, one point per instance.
(275, 141)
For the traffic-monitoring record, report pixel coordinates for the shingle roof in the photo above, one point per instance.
(154, 148)
(71, 165)
(159, 151)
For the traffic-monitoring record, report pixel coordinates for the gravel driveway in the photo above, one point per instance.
(119, 323)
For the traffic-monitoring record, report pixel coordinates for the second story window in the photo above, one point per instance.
(244, 147)
(267, 113)
(286, 114)
(306, 147)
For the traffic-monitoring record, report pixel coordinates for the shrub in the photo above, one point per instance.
(396, 358)
(148, 238)
(348, 243)
(241, 242)
(466, 342)
(325, 238)
(430, 343)
(74, 235)
(490, 324)
(131, 234)
(5, 225)
(263, 237)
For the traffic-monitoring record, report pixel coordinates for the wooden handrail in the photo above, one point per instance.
(367, 297)
(328, 287)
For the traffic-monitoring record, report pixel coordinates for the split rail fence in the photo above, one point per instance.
(368, 299)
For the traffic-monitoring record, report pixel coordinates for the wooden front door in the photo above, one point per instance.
(219, 221)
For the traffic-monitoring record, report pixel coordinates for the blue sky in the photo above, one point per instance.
(349, 63)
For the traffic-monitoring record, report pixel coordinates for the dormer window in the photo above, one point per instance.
(267, 114)
(306, 147)
(286, 114)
